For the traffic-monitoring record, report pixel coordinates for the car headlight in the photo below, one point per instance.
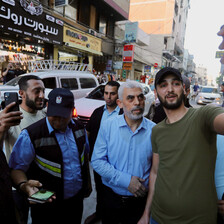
(201, 97)
(217, 99)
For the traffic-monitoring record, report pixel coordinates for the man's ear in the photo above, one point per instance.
(22, 93)
(119, 103)
(184, 89)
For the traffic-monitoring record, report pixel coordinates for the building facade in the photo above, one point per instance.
(77, 30)
(166, 18)
(146, 52)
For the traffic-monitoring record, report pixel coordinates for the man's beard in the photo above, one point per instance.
(132, 116)
(175, 105)
(31, 104)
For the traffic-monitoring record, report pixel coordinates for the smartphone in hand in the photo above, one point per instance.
(12, 97)
(41, 196)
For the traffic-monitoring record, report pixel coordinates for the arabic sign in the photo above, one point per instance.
(127, 66)
(27, 19)
(128, 53)
(131, 32)
(117, 65)
(80, 40)
(147, 68)
(219, 54)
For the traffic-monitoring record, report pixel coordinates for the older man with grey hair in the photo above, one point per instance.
(122, 157)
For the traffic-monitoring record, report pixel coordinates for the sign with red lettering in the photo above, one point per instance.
(128, 53)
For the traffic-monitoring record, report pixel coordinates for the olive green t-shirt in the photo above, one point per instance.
(185, 189)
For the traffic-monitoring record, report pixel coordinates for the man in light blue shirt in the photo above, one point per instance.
(54, 156)
(122, 157)
(99, 115)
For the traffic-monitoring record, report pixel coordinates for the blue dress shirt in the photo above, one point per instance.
(120, 154)
(21, 159)
(107, 114)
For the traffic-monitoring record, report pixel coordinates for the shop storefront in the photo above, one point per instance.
(27, 32)
(79, 46)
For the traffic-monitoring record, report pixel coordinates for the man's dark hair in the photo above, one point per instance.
(113, 83)
(24, 79)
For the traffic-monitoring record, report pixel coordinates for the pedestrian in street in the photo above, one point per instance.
(221, 46)
(222, 90)
(122, 157)
(99, 115)
(53, 153)
(8, 73)
(31, 90)
(18, 69)
(7, 207)
(181, 185)
(195, 89)
(158, 114)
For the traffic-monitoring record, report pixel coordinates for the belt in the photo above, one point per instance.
(124, 198)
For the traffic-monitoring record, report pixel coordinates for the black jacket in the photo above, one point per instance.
(7, 208)
(47, 166)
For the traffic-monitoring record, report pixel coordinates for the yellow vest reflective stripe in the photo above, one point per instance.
(48, 166)
(83, 156)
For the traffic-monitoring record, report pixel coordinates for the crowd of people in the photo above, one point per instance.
(167, 170)
(144, 172)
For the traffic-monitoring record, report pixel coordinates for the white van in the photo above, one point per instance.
(78, 81)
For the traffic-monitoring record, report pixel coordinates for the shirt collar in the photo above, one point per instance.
(117, 109)
(122, 122)
(51, 129)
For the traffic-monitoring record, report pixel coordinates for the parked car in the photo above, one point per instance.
(86, 105)
(207, 95)
(80, 83)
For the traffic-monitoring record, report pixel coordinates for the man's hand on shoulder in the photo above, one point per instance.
(136, 187)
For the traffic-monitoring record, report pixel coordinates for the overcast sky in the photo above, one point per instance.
(205, 17)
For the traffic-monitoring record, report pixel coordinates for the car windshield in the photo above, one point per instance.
(209, 90)
(97, 93)
(13, 82)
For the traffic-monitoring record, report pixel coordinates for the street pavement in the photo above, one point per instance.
(194, 104)
(90, 202)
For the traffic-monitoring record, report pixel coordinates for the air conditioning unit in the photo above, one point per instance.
(92, 32)
(59, 3)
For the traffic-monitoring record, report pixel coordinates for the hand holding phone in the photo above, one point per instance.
(12, 97)
(42, 196)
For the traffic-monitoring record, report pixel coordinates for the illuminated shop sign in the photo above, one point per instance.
(28, 19)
